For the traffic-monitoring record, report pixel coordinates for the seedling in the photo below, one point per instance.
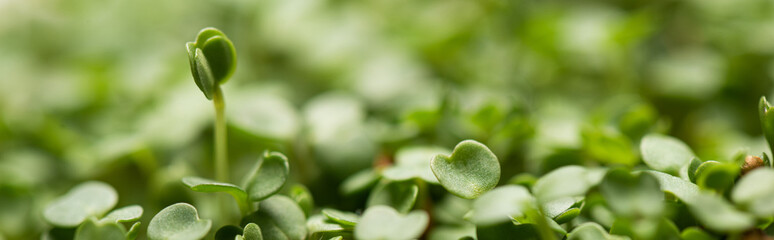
(213, 59)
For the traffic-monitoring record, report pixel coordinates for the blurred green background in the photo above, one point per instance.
(102, 89)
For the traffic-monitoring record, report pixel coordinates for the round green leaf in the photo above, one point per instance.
(684, 190)
(85, 200)
(178, 221)
(96, 230)
(206, 185)
(268, 176)
(384, 223)
(695, 233)
(500, 205)
(279, 217)
(252, 232)
(342, 218)
(591, 231)
(755, 191)
(414, 162)
(567, 181)
(471, 170)
(398, 195)
(567, 216)
(125, 214)
(665, 153)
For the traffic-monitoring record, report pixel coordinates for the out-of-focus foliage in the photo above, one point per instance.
(101, 90)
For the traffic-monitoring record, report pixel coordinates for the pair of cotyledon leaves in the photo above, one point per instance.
(266, 179)
(212, 58)
(83, 206)
(377, 223)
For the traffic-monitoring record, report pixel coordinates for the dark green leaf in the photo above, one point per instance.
(228, 232)
(471, 170)
(716, 176)
(398, 195)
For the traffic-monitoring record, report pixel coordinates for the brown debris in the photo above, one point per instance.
(751, 162)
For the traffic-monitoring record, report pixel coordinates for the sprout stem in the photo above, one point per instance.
(221, 149)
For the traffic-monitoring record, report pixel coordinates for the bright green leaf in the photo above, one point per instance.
(695, 233)
(359, 182)
(125, 214)
(252, 232)
(591, 231)
(133, 231)
(767, 121)
(85, 200)
(398, 195)
(342, 218)
(384, 223)
(500, 205)
(320, 228)
(755, 191)
(268, 176)
(665, 153)
(715, 213)
(414, 162)
(471, 170)
(178, 221)
(206, 185)
(301, 195)
(568, 181)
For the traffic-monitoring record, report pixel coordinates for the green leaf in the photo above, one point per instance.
(96, 230)
(221, 55)
(567, 181)
(133, 231)
(178, 221)
(567, 216)
(591, 231)
(695, 233)
(342, 218)
(206, 185)
(205, 80)
(268, 176)
(632, 195)
(608, 146)
(414, 162)
(665, 153)
(252, 232)
(676, 186)
(471, 170)
(716, 175)
(767, 121)
(319, 228)
(692, 167)
(279, 217)
(212, 58)
(85, 200)
(398, 195)
(500, 205)
(302, 197)
(359, 182)
(715, 213)
(384, 223)
(755, 192)
(558, 206)
(125, 214)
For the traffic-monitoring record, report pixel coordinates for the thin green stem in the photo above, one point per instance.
(221, 149)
